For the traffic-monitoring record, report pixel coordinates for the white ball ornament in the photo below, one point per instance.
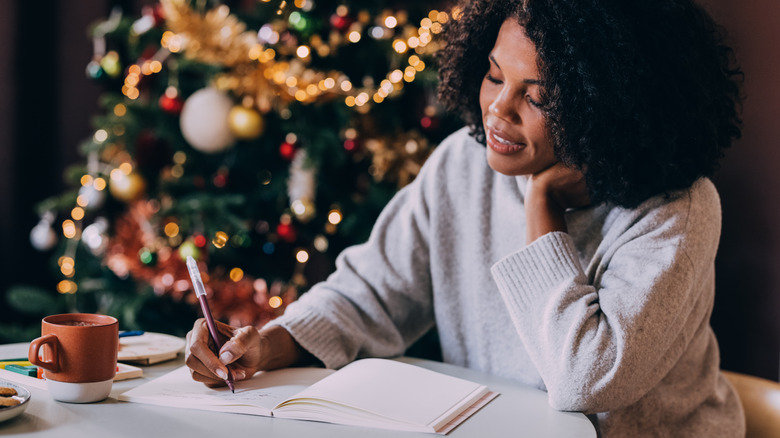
(42, 236)
(94, 236)
(204, 121)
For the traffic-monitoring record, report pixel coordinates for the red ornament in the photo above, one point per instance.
(220, 180)
(351, 145)
(341, 22)
(286, 232)
(200, 240)
(171, 104)
(287, 151)
(429, 123)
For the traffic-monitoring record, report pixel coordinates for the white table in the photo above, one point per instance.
(519, 412)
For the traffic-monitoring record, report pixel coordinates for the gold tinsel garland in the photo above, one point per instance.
(269, 76)
(216, 37)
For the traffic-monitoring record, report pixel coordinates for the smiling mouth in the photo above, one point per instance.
(502, 145)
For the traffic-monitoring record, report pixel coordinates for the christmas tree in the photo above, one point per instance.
(261, 138)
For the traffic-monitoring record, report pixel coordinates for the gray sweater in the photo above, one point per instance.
(611, 318)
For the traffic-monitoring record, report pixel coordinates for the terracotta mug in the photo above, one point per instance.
(77, 352)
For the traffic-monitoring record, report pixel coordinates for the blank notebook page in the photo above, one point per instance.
(408, 393)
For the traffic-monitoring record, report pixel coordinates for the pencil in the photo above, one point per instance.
(200, 292)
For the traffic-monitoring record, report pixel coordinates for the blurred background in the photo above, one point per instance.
(62, 118)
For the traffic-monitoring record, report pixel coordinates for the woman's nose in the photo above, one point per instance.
(503, 108)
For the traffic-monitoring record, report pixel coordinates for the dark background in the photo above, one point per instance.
(46, 103)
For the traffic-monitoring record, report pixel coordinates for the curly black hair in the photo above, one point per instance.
(642, 95)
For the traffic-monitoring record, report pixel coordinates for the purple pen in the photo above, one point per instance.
(200, 292)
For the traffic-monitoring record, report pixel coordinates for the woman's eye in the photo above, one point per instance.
(532, 101)
(492, 79)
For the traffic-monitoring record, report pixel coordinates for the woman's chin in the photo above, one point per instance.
(504, 165)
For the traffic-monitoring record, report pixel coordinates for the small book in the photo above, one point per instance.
(125, 371)
(377, 393)
(149, 348)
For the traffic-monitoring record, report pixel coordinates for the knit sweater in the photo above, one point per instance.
(610, 318)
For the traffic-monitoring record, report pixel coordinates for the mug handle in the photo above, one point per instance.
(35, 346)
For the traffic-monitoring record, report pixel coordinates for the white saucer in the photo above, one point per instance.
(22, 394)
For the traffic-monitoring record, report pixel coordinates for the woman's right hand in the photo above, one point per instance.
(550, 192)
(246, 351)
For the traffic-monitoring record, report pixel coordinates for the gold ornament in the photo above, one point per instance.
(245, 123)
(127, 188)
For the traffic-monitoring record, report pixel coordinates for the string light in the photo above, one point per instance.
(321, 243)
(82, 201)
(77, 213)
(275, 302)
(220, 239)
(334, 217)
(100, 136)
(66, 287)
(236, 274)
(99, 184)
(171, 229)
(67, 266)
(303, 51)
(69, 229)
(167, 279)
(179, 157)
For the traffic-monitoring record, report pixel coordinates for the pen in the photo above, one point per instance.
(131, 333)
(200, 292)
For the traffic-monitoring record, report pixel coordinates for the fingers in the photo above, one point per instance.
(224, 331)
(241, 351)
(204, 365)
(236, 346)
(564, 184)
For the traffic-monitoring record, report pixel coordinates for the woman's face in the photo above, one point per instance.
(518, 141)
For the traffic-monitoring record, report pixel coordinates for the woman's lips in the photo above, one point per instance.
(502, 145)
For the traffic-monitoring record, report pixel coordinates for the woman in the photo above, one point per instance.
(566, 238)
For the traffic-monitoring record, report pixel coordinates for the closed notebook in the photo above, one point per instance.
(369, 392)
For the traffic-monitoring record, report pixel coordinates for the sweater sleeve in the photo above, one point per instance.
(603, 340)
(378, 301)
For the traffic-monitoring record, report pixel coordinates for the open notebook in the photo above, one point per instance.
(369, 392)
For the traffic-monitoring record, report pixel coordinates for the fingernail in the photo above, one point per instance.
(226, 357)
(240, 375)
(221, 374)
